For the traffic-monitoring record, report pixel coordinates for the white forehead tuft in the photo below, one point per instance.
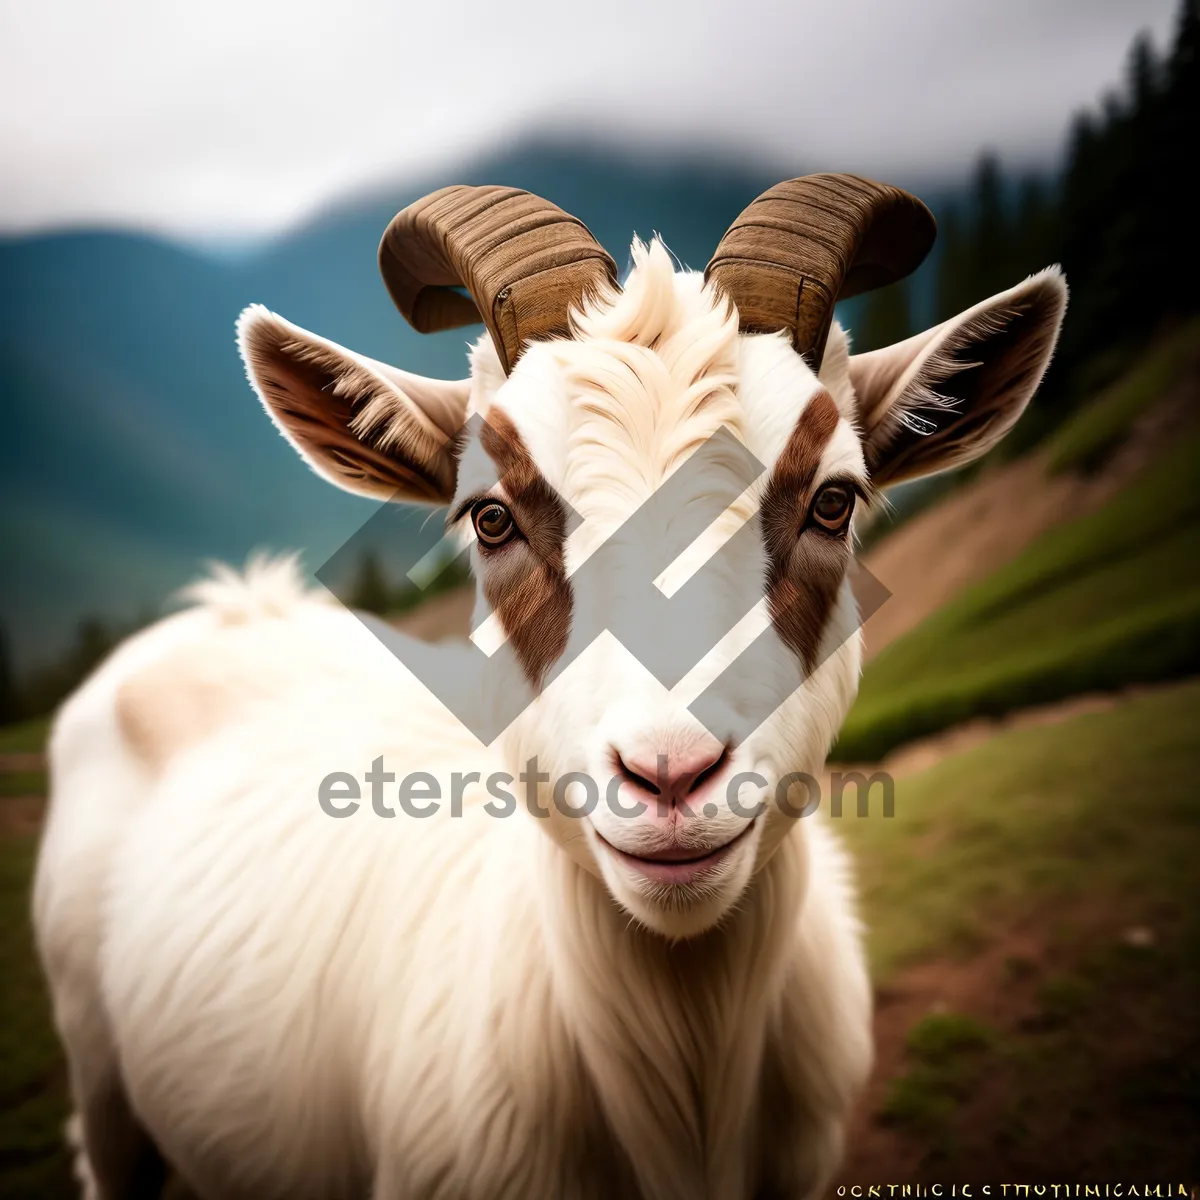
(667, 313)
(647, 356)
(487, 373)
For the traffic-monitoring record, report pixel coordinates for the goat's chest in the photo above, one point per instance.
(550, 1120)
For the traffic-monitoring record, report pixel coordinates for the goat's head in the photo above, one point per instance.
(590, 398)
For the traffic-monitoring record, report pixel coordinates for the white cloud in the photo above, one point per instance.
(240, 117)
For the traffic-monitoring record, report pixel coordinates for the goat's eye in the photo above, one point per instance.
(494, 524)
(832, 507)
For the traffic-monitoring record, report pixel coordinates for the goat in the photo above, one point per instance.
(669, 1005)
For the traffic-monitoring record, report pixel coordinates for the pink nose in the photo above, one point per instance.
(673, 777)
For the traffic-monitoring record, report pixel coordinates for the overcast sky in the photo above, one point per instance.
(236, 118)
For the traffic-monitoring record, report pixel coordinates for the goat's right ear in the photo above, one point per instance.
(946, 396)
(367, 427)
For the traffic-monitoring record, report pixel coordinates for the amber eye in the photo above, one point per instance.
(832, 507)
(493, 523)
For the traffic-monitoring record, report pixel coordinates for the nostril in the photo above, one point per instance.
(674, 777)
(631, 776)
(713, 768)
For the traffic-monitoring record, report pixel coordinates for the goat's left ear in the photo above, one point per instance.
(365, 426)
(946, 396)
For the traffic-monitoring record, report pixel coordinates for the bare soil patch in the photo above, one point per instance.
(1089, 1070)
(988, 522)
(12, 763)
(20, 815)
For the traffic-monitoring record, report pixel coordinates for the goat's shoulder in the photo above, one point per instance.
(252, 638)
(181, 699)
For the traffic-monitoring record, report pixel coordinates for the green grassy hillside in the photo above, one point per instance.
(1100, 803)
(1096, 430)
(33, 1160)
(1033, 905)
(26, 737)
(1107, 600)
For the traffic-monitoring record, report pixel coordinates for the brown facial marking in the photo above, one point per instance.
(525, 581)
(805, 567)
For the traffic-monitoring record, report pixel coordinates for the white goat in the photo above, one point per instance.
(670, 1005)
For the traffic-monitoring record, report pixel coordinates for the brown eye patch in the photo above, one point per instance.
(527, 585)
(804, 574)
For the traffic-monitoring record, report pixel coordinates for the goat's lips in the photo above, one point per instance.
(676, 864)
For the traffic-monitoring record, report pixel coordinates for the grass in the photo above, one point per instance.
(33, 1161)
(1061, 999)
(1087, 439)
(1108, 1064)
(1103, 802)
(22, 783)
(1075, 831)
(26, 737)
(945, 1053)
(1107, 600)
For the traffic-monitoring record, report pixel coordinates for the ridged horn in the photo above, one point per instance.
(524, 262)
(806, 243)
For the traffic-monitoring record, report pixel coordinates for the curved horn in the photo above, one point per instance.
(809, 242)
(523, 260)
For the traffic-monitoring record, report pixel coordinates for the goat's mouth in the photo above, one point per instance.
(676, 864)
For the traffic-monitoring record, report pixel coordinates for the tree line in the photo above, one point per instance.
(1119, 217)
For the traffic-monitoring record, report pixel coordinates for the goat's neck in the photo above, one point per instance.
(672, 1034)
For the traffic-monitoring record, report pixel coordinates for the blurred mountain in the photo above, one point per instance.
(134, 448)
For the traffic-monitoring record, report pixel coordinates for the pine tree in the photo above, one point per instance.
(1033, 228)
(10, 708)
(1120, 220)
(886, 318)
(990, 241)
(953, 265)
(1180, 132)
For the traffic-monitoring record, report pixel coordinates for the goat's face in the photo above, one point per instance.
(659, 454)
(613, 505)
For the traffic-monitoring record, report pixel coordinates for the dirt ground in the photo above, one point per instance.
(1018, 1104)
(981, 526)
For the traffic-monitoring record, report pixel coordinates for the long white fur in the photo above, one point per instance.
(297, 1006)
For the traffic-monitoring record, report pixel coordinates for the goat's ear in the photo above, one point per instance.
(365, 426)
(946, 396)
